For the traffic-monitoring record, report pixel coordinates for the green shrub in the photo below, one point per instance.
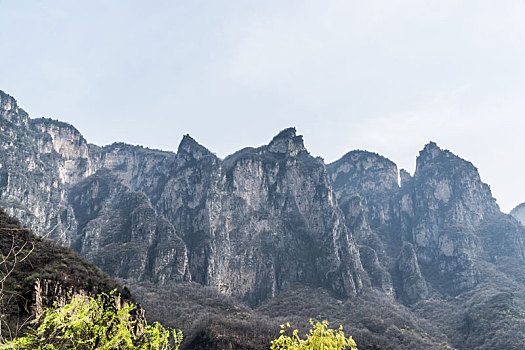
(101, 323)
(319, 337)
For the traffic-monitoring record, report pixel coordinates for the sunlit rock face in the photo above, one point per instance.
(260, 220)
(35, 170)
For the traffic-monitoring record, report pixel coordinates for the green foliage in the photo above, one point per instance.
(319, 337)
(24, 259)
(101, 323)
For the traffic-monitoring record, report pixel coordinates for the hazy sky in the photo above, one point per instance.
(386, 76)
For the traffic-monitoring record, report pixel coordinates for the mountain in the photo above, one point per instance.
(268, 226)
(249, 225)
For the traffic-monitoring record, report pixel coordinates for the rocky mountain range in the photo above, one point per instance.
(263, 219)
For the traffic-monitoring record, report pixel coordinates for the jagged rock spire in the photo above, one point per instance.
(188, 147)
(287, 142)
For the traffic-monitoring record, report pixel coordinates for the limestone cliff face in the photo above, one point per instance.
(260, 220)
(33, 174)
(119, 230)
(365, 183)
(433, 229)
(413, 284)
(69, 146)
(448, 192)
(455, 220)
(49, 179)
(449, 202)
(141, 169)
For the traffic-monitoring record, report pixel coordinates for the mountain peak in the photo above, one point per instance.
(432, 155)
(7, 102)
(287, 142)
(9, 110)
(519, 213)
(188, 146)
(431, 149)
(363, 172)
(290, 132)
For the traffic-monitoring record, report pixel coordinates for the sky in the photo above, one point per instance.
(384, 76)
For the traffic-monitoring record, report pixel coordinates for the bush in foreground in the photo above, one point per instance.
(319, 337)
(101, 323)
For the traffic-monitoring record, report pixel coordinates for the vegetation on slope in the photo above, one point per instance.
(210, 320)
(88, 323)
(319, 337)
(27, 261)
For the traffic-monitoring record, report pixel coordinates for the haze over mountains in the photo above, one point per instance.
(263, 221)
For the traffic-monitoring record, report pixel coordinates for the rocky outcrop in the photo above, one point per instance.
(48, 294)
(11, 112)
(72, 157)
(413, 284)
(449, 202)
(119, 231)
(139, 168)
(519, 213)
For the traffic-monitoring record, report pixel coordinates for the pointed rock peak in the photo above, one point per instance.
(519, 213)
(9, 110)
(431, 149)
(366, 160)
(363, 172)
(433, 154)
(444, 175)
(287, 133)
(287, 142)
(404, 177)
(7, 102)
(188, 146)
(431, 145)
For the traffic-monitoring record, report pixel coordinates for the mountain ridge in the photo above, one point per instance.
(264, 219)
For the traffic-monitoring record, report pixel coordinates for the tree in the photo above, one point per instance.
(319, 337)
(101, 323)
(10, 255)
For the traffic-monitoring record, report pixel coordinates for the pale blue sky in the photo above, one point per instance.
(386, 76)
